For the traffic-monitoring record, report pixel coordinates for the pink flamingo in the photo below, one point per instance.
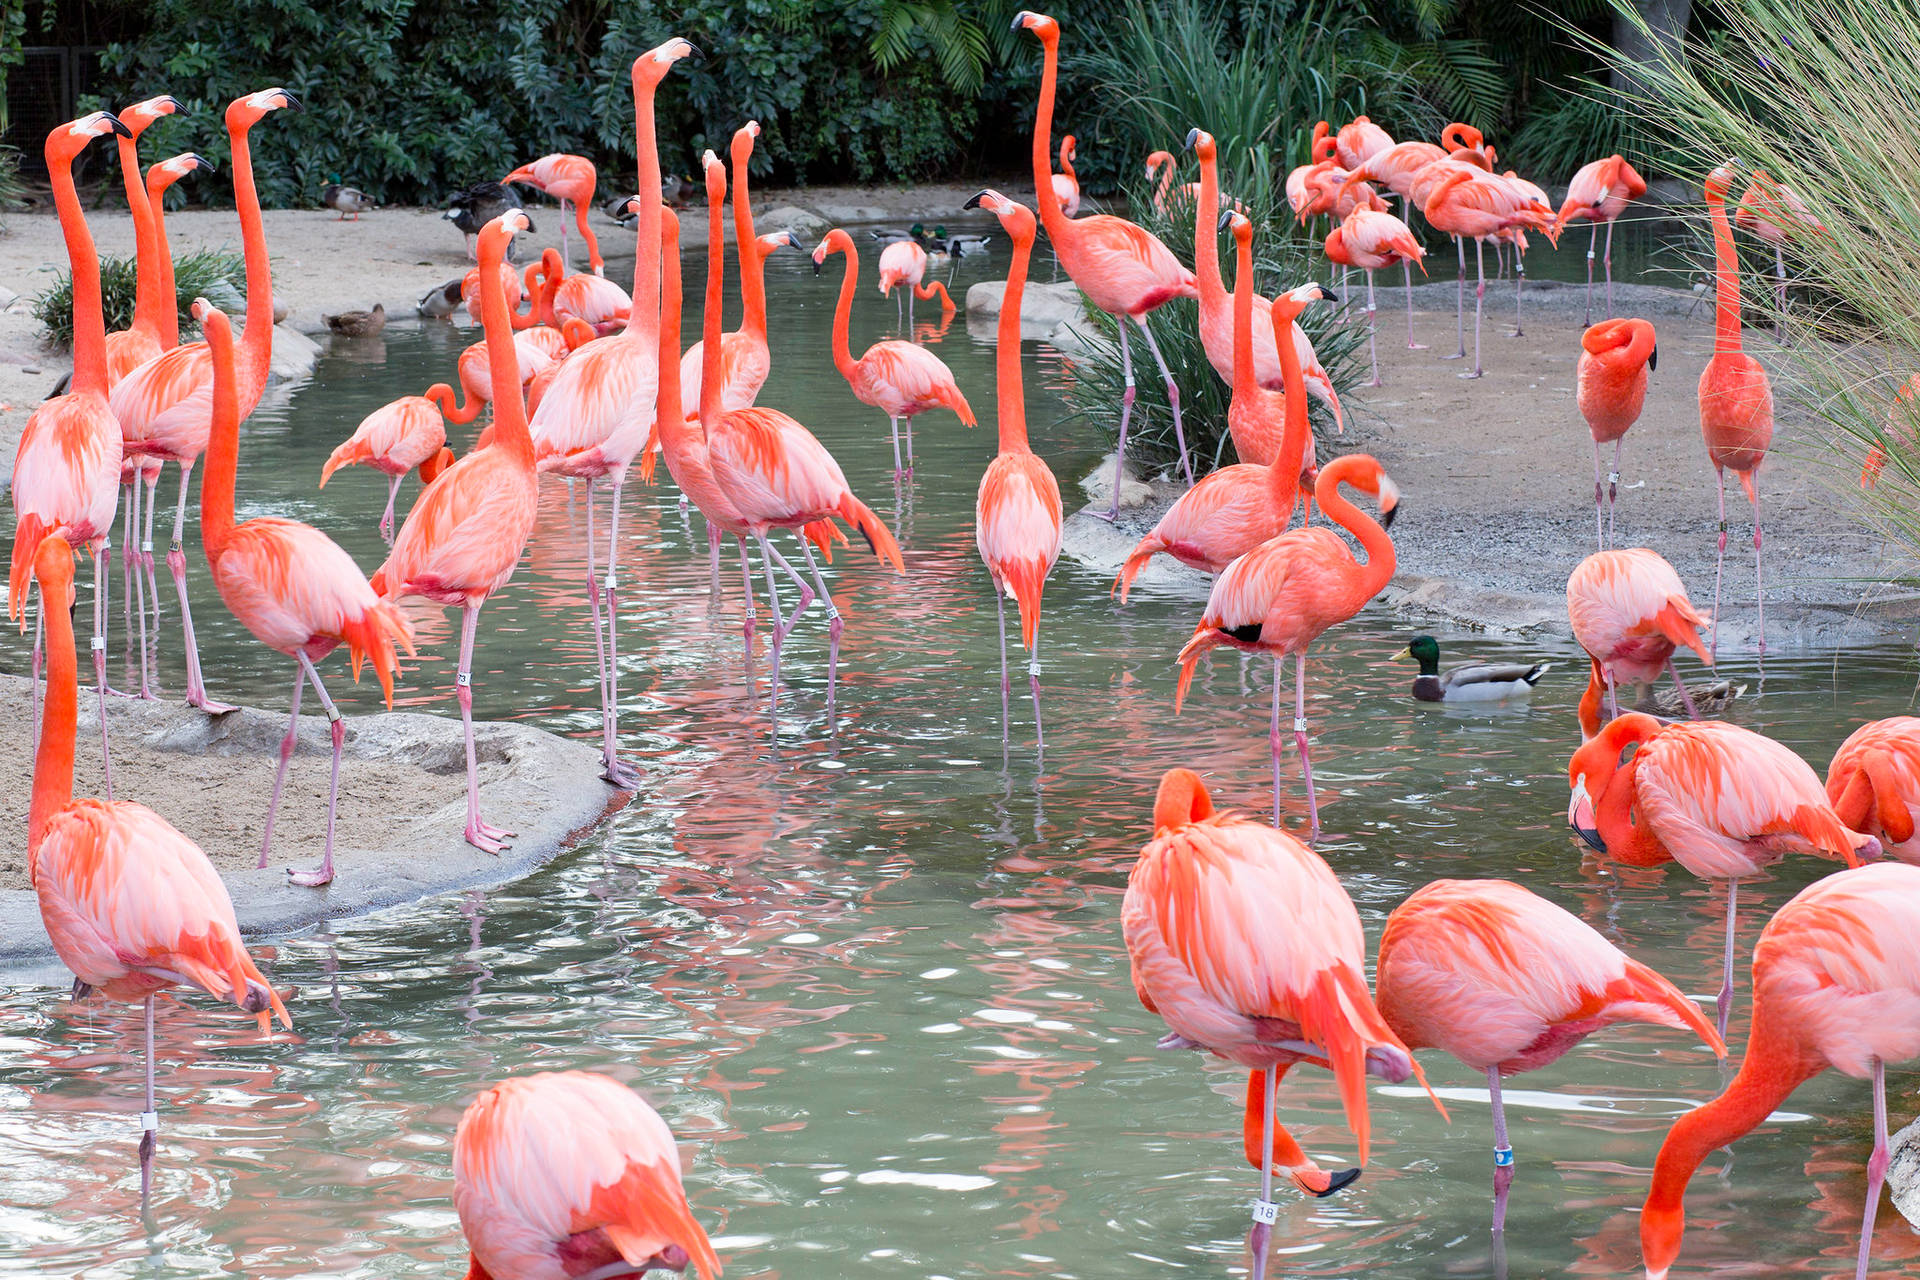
(393, 440)
(1901, 416)
(1265, 988)
(1833, 986)
(132, 906)
(569, 1173)
(1162, 164)
(290, 585)
(570, 180)
(69, 456)
(1303, 185)
(1611, 388)
(132, 347)
(1774, 212)
(1016, 517)
(1360, 141)
(1281, 596)
(1370, 239)
(1123, 270)
(1873, 783)
(901, 379)
(1469, 202)
(1630, 612)
(165, 407)
(1601, 192)
(1506, 982)
(903, 265)
(1066, 184)
(467, 529)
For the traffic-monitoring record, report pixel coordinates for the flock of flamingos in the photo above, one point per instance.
(1241, 937)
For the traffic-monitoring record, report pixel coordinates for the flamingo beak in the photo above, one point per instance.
(975, 202)
(1193, 136)
(1653, 361)
(1581, 818)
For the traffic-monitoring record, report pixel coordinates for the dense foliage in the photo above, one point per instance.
(221, 278)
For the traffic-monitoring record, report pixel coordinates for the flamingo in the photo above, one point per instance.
(1873, 783)
(569, 179)
(1016, 518)
(1900, 421)
(1600, 192)
(1468, 202)
(1280, 597)
(165, 407)
(903, 264)
(1395, 168)
(132, 906)
(1506, 982)
(290, 585)
(1244, 943)
(1736, 401)
(132, 347)
(1371, 239)
(595, 416)
(1125, 271)
(69, 456)
(1722, 801)
(394, 439)
(1360, 141)
(1834, 985)
(1773, 211)
(1611, 389)
(898, 378)
(1161, 164)
(1630, 612)
(1066, 184)
(569, 1173)
(1235, 509)
(1517, 237)
(464, 536)
(1303, 180)
(595, 299)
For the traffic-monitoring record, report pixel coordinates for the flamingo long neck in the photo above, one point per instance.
(1160, 199)
(256, 340)
(1206, 232)
(643, 321)
(1244, 383)
(1066, 161)
(59, 722)
(840, 242)
(146, 290)
(668, 410)
(503, 362)
(551, 272)
(753, 280)
(1283, 477)
(1726, 318)
(223, 441)
(1010, 393)
(167, 314)
(1373, 539)
(89, 321)
(443, 395)
(1052, 213)
(710, 321)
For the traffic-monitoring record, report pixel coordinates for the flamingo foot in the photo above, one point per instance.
(619, 773)
(198, 698)
(488, 838)
(321, 875)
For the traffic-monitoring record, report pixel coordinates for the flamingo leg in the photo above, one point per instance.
(150, 1118)
(908, 423)
(1373, 353)
(100, 592)
(386, 520)
(1502, 1152)
(146, 564)
(139, 575)
(1759, 585)
(1173, 400)
(1686, 699)
(338, 729)
(1876, 1167)
(1719, 569)
(1265, 1211)
(1519, 283)
(1724, 1004)
(1479, 301)
(1613, 486)
(566, 255)
(835, 625)
(779, 630)
(593, 603)
(713, 564)
(746, 585)
(39, 641)
(1606, 261)
(1033, 681)
(1406, 270)
(177, 564)
(1006, 685)
(893, 424)
(910, 310)
(613, 769)
(1126, 413)
(1275, 742)
(1460, 303)
(1599, 499)
(479, 834)
(1300, 737)
(280, 774)
(129, 560)
(1593, 240)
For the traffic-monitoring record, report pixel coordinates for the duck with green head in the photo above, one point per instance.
(1470, 682)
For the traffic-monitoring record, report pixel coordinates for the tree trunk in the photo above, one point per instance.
(1637, 46)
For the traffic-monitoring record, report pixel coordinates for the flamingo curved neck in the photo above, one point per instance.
(256, 340)
(1373, 539)
(1011, 395)
(89, 321)
(168, 313)
(503, 364)
(146, 288)
(53, 758)
(843, 310)
(1726, 289)
(443, 395)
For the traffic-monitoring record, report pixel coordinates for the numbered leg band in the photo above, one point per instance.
(149, 1122)
(1503, 1157)
(1266, 1211)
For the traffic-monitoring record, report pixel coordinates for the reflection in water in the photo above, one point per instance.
(876, 985)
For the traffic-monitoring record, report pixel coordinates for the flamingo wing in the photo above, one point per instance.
(465, 533)
(166, 405)
(601, 399)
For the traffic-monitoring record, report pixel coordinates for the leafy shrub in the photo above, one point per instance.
(221, 278)
(1585, 122)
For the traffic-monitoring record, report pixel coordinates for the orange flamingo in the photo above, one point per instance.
(1630, 611)
(1161, 164)
(290, 585)
(1901, 413)
(1016, 518)
(1873, 783)
(1722, 801)
(1066, 183)
(1774, 212)
(165, 407)
(1279, 597)
(1371, 239)
(1246, 946)
(1506, 982)
(595, 299)
(1611, 389)
(1469, 202)
(69, 456)
(569, 1173)
(900, 379)
(1360, 141)
(1834, 985)
(393, 440)
(1125, 271)
(467, 530)
(129, 348)
(132, 906)
(1601, 192)
(1396, 168)
(1736, 402)
(569, 179)
(1235, 509)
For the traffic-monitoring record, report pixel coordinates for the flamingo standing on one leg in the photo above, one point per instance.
(1123, 269)
(1722, 801)
(132, 906)
(464, 536)
(1834, 985)
(290, 585)
(68, 463)
(1016, 518)
(1244, 943)
(1601, 192)
(1280, 597)
(1066, 183)
(1630, 612)
(569, 1173)
(393, 440)
(1736, 402)
(1873, 783)
(1611, 388)
(1395, 168)
(901, 379)
(1506, 982)
(569, 179)
(165, 407)
(1369, 239)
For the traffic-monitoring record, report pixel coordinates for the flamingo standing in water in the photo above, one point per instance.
(903, 265)
(1630, 612)
(464, 536)
(569, 1173)
(1611, 388)
(1370, 239)
(68, 464)
(1244, 943)
(1736, 402)
(1834, 985)
(132, 906)
(165, 407)
(394, 439)
(129, 348)
(1722, 801)
(1066, 183)
(1016, 517)
(569, 179)
(1873, 783)
(1506, 982)
(1280, 597)
(901, 379)
(290, 585)
(1601, 192)
(1123, 270)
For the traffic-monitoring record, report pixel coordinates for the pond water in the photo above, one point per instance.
(876, 983)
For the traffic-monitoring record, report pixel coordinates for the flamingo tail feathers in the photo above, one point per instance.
(27, 537)
(1648, 997)
(873, 529)
(347, 454)
(372, 636)
(1150, 546)
(824, 534)
(1680, 624)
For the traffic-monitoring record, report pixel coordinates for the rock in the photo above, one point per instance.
(1043, 307)
(1903, 1173)
(294, 354)
(803, 223)
(841, 214)
(1070, 337)
(1098, 486)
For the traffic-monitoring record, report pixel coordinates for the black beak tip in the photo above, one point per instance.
(1226, 219)
(1019, 20)
(1592, 838)
(1391, 514)
(694, 52)
(817, 267)
(975, 202)
(118, 128)
(1328, 295)
(293, 103)
(202, 161)
(1193, 136)
(1653, 361)
(1339, 1182)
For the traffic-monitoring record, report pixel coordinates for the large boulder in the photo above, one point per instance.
(1043, 307)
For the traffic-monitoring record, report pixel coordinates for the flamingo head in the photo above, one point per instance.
(497, 234)
(1594, 767)
(1181, 801)
(141, 114)
(1014, 216)
(69, 140)
(1235, 221)
(1038, 23)
(835, 241)
(1715, 187)
(1155, 160)
(244, 112)
(1200, 142)
(174, 168)
(715, 174)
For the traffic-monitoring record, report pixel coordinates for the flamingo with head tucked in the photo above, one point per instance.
(1371, 239)
(1469, 202)
(569, 179)
(1630, 612)
(1611, 388)
(1873, 782)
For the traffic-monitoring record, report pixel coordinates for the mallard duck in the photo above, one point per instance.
(347, 200)
(622, 209)
(678, 190)
(358, 324)
(917, 233)
(1470, 682)
(441, 301)
(478, 205)
(1708, 699)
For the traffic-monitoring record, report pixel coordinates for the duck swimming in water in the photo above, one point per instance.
(1469, 682)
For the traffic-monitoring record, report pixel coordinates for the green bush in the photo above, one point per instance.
(1572, 126)
(221, 278)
